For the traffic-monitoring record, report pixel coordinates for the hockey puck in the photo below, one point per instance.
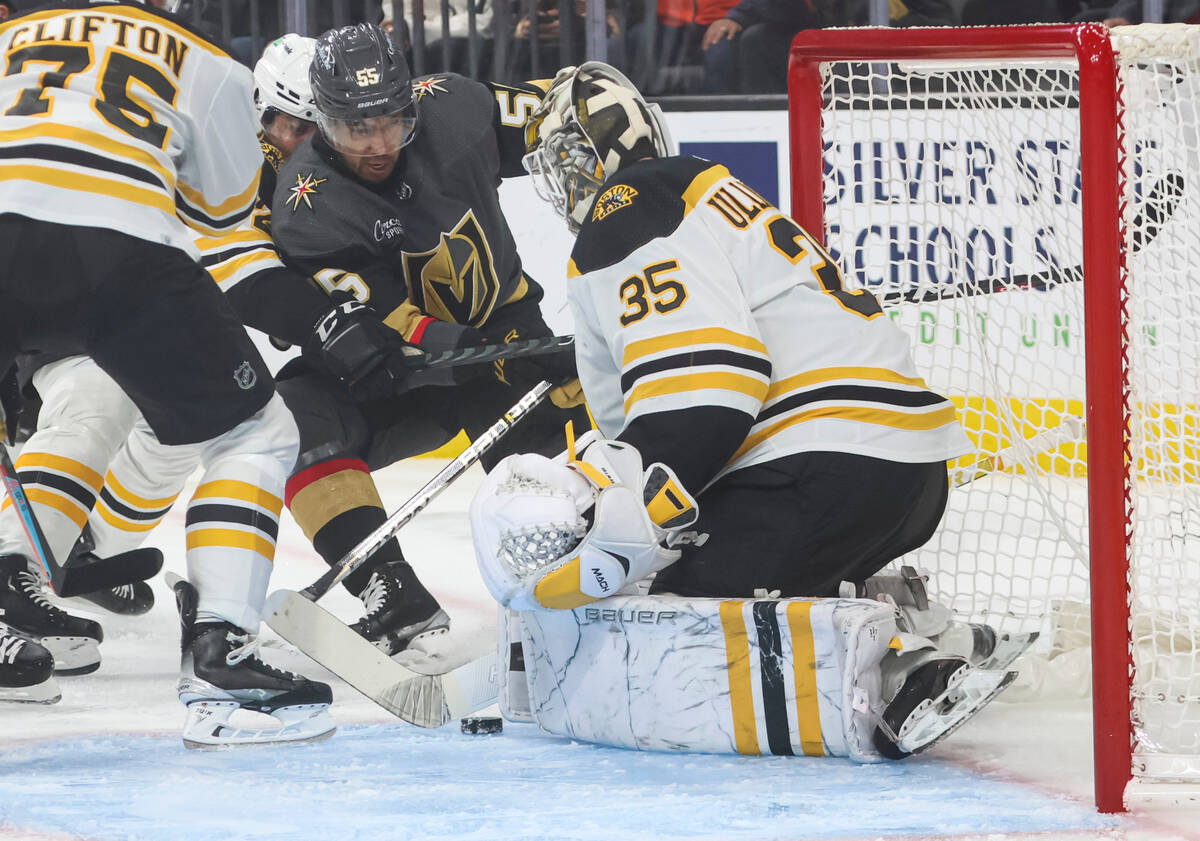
(482, 726)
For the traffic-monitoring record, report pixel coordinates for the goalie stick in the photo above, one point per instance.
(371, 543)
(426, 700)
(1157, 209)
(66, 581)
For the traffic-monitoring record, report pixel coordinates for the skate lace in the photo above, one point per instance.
(247, 648)
(31, 585)
(375, 594)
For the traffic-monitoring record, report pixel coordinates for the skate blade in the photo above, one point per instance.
(1008, 648)
(73, 655)
(46, 692)
(968, 691)
(207, 726)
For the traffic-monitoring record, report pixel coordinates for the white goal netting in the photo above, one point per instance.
(947, 180)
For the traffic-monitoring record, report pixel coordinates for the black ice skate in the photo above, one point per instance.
(400, 611)
(931, 695)
(26, 670)
(220, 674)
(25, 606)
(127, 600)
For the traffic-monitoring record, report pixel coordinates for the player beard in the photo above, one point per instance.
(372, 168)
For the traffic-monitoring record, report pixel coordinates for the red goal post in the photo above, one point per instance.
(852, 92)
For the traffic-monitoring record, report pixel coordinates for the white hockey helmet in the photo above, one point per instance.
(591, 123)
(281, 78)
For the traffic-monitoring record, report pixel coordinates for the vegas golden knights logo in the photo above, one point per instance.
(456, 281)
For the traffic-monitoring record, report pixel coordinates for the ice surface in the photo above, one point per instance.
(107, 763)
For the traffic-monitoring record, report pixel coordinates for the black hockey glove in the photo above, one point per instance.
(352, 343)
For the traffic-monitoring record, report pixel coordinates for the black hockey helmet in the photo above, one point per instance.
(362, 86)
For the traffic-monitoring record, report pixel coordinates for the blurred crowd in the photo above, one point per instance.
(668, 47)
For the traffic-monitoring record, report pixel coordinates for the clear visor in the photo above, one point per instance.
(371, 136)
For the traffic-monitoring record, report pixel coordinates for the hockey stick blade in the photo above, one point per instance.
(426, 700)
(1156, 210)
(69, 581)
(491, 353)
(371, 543)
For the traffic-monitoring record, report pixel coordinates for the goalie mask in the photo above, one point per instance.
(363, 92)
(591, 123)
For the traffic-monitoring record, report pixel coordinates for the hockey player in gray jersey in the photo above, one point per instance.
(393, 209)
(768, 438)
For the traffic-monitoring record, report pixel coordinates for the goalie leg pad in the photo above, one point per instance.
(513, 691)
(772, 676)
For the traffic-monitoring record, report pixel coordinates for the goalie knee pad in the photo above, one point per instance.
(551, 534)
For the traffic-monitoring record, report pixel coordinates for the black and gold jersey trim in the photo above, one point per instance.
(212, 259)
(213, 512)
(856, 394)
(684, 361)
(80, 158)
(655, 211)
(128, 512)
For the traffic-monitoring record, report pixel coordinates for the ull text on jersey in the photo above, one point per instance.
(150, 38)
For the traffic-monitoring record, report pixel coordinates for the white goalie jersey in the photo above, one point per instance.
(101, 101)
(689, 289)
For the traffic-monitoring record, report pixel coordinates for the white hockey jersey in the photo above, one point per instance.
(118, 116)
(689, 289)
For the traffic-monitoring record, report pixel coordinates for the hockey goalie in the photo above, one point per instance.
(710, 575)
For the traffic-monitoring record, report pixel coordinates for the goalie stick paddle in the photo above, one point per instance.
(371, 543)
(491, 353)
(66, 581)
(1156, 210)
(426, 700)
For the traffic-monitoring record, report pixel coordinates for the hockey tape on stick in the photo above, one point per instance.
(371, 543)
(1070, 430)
(68, 581)
(490, 353)
(1156, 210)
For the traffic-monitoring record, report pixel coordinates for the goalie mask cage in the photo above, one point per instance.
(964, 176)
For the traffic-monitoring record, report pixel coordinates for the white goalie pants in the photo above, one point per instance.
(94, 460)
(772, 676)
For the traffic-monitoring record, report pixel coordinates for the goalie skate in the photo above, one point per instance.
(26, 670)
(937, 697)
(221, 677)
(1008, 648)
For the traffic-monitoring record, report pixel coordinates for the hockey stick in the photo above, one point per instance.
(66, 581)
(371, 543)
(1070, 429)
(490, 353)
(1157, 209)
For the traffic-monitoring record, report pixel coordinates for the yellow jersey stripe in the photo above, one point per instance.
(230, 539)
(81, 182)
(899, 420)
(222, 272)
(252, 236)
(687, 338)
(124, 524)
(804, 659)
(65, 505)
(131, 499)
(244, 491)
(77, 470)
(737, 665)
(702, 183)
(232, 204)
(114, 148)
(696, 382)
(825, 375)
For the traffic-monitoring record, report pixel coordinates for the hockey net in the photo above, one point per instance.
(965, 177)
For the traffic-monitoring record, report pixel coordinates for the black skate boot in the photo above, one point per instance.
(127, 600)
(24, 606)
(399, 610)
(26, 670)
(929, 695)
(220, 674)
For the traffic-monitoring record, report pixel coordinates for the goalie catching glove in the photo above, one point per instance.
(556, 534)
